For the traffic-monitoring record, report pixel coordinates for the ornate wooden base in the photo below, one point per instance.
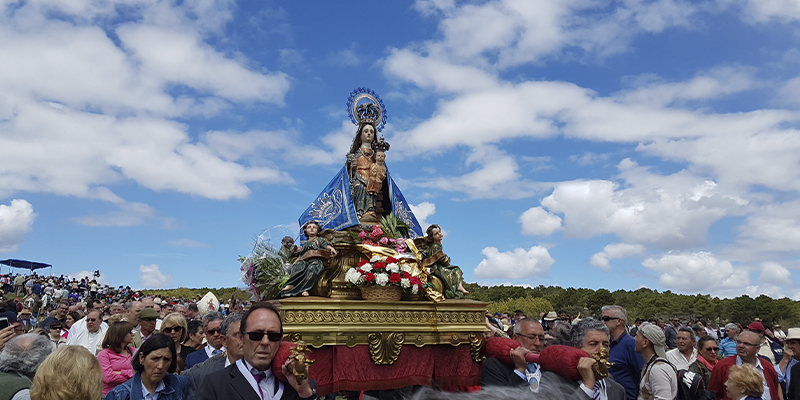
(385, 327)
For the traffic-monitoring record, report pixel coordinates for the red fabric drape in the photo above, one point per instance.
(338, 368)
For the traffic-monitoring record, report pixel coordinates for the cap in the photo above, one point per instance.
(793, 333)
(148, 313)
(551, 316)
(756, 326)
(656, 336)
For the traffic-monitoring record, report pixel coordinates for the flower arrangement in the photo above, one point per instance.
(383, 272)
(264, 271)
(389, 233)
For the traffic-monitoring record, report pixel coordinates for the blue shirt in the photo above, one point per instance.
(727, 347)
(628, 364)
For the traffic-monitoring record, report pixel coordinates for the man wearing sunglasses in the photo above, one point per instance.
(789, 362)
(747, 345)
(215, 340)
(251, 378)
(627, 363)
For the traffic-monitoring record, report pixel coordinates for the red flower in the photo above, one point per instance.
(391, 260)
(414, 281)
(361, 264)
(394, 278)
(369, 277)
(379, 265)
(361, 271)
(406, 275)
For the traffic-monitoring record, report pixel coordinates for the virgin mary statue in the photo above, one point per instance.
(350, 198)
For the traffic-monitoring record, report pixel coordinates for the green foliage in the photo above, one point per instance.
(393, 228)
(646, 303)
(531, 306)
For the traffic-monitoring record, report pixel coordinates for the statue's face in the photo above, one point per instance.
(367, 134)
(437, 234)
(380, 156)
(312, 230)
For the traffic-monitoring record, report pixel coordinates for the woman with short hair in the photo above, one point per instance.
(55, 334)
(707, 350)
(115, 358)
(153, 364)
(69, 373)
(196, 335)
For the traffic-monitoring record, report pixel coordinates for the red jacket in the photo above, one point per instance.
(720, 375)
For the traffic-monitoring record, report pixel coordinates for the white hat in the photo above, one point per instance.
(551, 316)
(793, 333)
(656, 336)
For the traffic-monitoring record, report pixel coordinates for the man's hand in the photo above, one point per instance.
(585, 369)
(303, 388)
(518, 358)
(6, 335)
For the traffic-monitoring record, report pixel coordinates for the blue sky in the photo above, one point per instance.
(602, 144)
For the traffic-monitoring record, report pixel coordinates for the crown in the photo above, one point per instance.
(381, 145)
(365, 106)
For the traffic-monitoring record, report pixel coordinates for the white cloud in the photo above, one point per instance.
(682, 272)
(422, 211)
(774, 274)
(102, 279)
(187, 243)
(80, 112)
(346, 57)
(668, 212)
(150, 276)
(537, 221)
(16, 220)
(129, 214)
(771, 228)
(714, 83)
(614, 251)
(516, 264)
(769, 10)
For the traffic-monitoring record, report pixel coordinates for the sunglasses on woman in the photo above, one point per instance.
(172, 329)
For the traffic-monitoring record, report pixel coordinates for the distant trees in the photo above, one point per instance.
(641, 303)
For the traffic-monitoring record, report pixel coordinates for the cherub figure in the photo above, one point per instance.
(377, 174)
(300, 353)
(600, 368)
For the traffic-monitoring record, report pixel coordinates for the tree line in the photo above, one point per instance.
(641, 303)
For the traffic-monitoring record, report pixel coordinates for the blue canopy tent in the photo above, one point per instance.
(24, 264)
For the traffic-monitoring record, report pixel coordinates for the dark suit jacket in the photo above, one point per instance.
(199, 372)
(195, 358)
(793, 391)
(230, 384)
(495, 373)
(557, 387)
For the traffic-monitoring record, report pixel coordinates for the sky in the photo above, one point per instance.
(579, 143)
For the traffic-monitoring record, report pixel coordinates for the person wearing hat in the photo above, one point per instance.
(788, 363)
(147, 326)
(549, 318)
(778, 332)
(659, 378)
(769, 349)
(747, 345)
(24, 317)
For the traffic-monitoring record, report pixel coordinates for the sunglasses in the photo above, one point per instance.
(212, 332)
(712, 349)
(606, 318)
(172, 329)
(271, 336)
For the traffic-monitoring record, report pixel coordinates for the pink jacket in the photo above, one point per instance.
(110, 362)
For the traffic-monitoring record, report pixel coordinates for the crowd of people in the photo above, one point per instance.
(651, 359)
(97, 342)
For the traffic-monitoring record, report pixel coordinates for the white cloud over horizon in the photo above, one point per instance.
(516, 264)
(16, 220)
(151, 277)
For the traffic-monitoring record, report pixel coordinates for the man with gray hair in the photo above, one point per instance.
(727, 346)
(589, 335)
(234, 346)
(627, 363)
(18, 364)
(530, 336)
(214, 340)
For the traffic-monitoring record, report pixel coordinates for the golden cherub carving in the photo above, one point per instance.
(600, 368)
(300, 353)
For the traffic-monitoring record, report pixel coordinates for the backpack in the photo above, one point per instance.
(690, 387)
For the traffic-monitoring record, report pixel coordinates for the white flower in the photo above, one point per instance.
(381, 279)
(393, 267)
(366, 267)
(375, 259)
(405, 268)
(352, 276)
(415, 289)
(405, 283)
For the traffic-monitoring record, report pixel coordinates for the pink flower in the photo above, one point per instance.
(362, 234)
(400, 246)
(384, 240)
(376, 232)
